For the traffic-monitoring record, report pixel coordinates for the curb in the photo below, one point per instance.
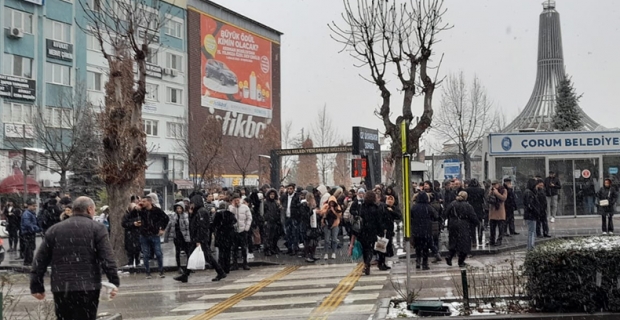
(382, 310)
(117, 316)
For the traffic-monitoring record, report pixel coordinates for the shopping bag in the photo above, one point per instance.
(313, 222)
(256, 240)
(106, 290)
(196, 260)
(357, 251)
(381, 244)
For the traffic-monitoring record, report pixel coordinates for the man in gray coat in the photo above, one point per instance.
(77, 249)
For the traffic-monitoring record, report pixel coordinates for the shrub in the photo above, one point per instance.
(575, 275)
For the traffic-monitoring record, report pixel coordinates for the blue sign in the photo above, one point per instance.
(613, 170)
(554, 142)
(451, 169)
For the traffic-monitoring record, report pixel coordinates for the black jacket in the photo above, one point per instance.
(78, 249)
(272, 208)
(607, 194)
(294, 205)
(531, 207)
(422, 216)
(152, 221)
(132, 233)
(552, 190)
(511, 201)
(388, 216)
(224, 227)
(475, 197)
(13, 217)
(371, 223)
(542, 204)
(461, 217)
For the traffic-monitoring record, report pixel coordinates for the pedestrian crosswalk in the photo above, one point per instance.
(294, 292)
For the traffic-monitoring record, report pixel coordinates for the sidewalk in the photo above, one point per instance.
(563, 227)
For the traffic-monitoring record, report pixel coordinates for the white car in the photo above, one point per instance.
(3, 232)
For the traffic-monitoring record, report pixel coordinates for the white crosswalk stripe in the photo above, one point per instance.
(293, 296)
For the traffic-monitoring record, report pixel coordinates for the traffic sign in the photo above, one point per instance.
(586, 173)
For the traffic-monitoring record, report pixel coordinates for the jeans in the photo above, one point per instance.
(146, 242)
(331, 238)
(71, 305)
(13, 237)
(292, 234)
(552, 205)
(497, 226)
(608, 221)
(544, 224)
(589, 204)
(531, 234)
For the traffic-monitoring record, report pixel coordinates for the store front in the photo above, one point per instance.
(581, 160)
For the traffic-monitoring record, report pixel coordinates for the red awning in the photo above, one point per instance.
(15, 184)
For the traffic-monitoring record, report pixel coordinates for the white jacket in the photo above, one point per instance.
(244, 217)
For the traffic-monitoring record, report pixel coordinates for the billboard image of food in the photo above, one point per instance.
(236, 69)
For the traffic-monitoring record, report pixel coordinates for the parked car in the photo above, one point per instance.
(219, 71)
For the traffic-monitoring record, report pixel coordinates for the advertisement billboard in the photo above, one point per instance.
(236, 77)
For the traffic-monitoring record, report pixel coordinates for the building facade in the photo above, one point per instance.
(43, 58)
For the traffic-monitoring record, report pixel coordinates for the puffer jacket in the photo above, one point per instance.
(180, 221)
(243, 214)
(329, 216)
(272, 208)
(77, 249)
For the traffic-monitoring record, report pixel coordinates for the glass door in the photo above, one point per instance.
(579, 180)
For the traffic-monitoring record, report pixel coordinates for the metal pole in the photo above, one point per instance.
(465, 288)
(574, 193)
(406, 198)
(24, 165)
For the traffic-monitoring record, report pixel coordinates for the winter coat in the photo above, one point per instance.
(50, 215)
(244, 217)
(607, 194)
(461, 217)
(77, 249)
(180, 221)
(223, 226)
(132, 233)
(330, 216)
(371, 223)
(475, 197)
(13, 217)
(549, 190)
(306, 212)
(422, 217)
(294, 205)
(153, 221)
(511, 202)
(531, 206)
(542, 204)
(497, 211)
(389, 215)
(29, 225)
(272, 208)
(324, 196)
(199, 224)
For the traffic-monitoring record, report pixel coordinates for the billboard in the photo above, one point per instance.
(236, 77)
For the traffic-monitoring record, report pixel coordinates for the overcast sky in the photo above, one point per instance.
(493, 39)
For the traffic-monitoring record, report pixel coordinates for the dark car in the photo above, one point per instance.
(219, 71)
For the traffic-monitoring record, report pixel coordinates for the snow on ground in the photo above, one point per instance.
(591, 243)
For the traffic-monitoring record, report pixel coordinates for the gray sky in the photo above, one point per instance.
(493, 39)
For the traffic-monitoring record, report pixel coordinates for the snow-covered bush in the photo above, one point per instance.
(575, 275)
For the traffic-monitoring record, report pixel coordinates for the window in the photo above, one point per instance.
(94, 5)
(175, 130)
(58, 31)
(58, 74)
(59, 117)
(18, 113)
(152, 92)
(150, 19)
(17, 19)
(91, 43)
(150, 127)
(174, 61)
(174, 28)
(51, 164)
(17, 66)
(174, 96)
(93, 81)
(152, 56)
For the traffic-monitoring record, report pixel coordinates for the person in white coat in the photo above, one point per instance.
(243, 214)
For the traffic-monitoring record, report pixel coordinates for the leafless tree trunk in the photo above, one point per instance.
(465, 116)
(324, 134)
(204, 159)
(342, 172)
(245, 154)
(125, 32)
(388, 37)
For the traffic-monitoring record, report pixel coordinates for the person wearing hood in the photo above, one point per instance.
(244, 222)
(531, 210)
(50, 214)
(475, 198)
(290, 212)
(272, 209)
(331, 213)
(322, 190)
(422, 217)
(223, 227)
(178, 227)
(199, 227)
(606, 198)
(131, 223)
(461, 217)
(390, 213)
(371, 228)
(389, 191)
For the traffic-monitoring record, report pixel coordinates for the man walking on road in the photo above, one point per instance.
(29, 229)
(77, 249)
(552, 185)
(153, 221)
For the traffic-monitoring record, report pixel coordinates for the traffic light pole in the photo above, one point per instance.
(406, 162)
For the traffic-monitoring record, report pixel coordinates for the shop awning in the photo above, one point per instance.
(15, 184)
(184, 184)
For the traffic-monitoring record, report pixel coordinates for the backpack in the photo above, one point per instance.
(356, 223)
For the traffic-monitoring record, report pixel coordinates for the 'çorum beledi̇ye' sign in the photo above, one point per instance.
(554, 142)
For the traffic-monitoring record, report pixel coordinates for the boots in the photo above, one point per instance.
(183, 278)
(367, 269)
(417, 262)
(437, 258)
(425, 263)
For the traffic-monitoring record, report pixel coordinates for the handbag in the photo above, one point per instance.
(196, 261)
(256, 240)
(313, 221)
(605, 202)
(381, 244)
(358, 251)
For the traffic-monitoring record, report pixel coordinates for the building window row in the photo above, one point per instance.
(59, 117)
(175, 130)
(18, 19)
(18, 113)
(57, 74)
(18, 66)
(174, 28)
(58, 31)
(94, 81)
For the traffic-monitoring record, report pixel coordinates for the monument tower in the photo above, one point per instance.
(537, 114)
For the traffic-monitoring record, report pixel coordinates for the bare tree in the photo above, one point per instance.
(289, 163)
(324, 135)
(389, 38)
(58, 131)
(465, 116)
(126, 33)
(342, 170)
(244, 155)
(307, 170)
(204, 159)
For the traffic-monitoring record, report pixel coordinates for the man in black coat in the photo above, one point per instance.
(13, 216)
(552, 188)
(290, 211)
(511, 205)
(77, 249)
(199, 233)
(475, 197)
(153, 223)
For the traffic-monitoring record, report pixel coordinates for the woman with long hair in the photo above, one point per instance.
(371, 227)
(307, 210)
